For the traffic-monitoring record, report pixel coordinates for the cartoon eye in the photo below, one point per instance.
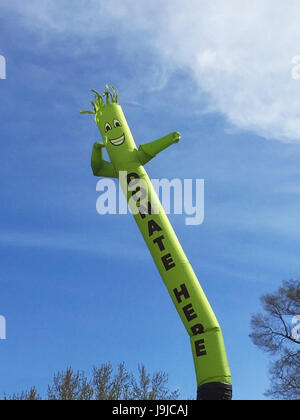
(107, 127)
(117, 123)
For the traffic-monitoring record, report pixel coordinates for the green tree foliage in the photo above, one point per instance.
(274, 332)
(104, 384)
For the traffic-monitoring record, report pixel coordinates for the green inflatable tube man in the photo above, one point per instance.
(127, 163)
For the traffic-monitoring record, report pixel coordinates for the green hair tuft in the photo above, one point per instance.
(111, 95)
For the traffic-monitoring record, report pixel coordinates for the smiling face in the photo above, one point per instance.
(115, 132)
(117, 141)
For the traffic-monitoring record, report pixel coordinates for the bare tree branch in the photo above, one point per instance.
(271, 333)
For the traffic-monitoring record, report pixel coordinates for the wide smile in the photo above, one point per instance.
(118, 141)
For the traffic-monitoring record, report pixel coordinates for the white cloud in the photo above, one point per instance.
(239, 53)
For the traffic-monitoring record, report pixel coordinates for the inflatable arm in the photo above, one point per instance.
(101, 167)
(148, 151)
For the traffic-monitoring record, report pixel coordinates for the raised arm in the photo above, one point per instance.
(100, 166)
(148, 151)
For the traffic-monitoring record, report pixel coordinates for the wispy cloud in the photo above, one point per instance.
(72, 242)
(237, 52)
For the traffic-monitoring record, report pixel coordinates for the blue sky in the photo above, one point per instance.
(81, 289)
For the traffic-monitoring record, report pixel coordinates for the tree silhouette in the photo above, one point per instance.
(104, 384)
(276, 331)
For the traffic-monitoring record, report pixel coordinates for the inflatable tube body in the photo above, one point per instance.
(127, 164)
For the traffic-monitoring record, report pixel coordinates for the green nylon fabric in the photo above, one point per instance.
(126, 162)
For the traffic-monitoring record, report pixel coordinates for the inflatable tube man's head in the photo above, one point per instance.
(112, 123)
